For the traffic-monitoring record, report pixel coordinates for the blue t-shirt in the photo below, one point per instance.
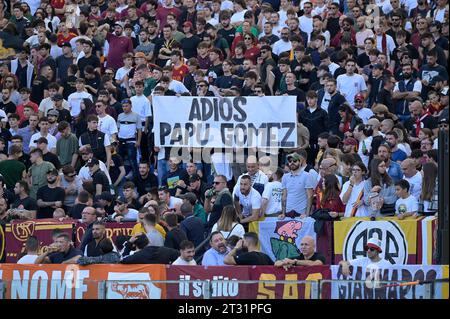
(398, 155)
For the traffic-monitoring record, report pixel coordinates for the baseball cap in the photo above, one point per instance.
(57, 97)
(190, 197)
(188, 24)
(350, 141)
(378, 66)
(66, 44)
(294, 156)
(140, 55)
(359, 97)
(121, 199)
(53, 171)
(194, 178)
(53, 113)
(92, 162)
(126, 101)
(118, 24)
(374, 243)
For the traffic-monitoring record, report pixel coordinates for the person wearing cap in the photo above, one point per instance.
(122, 212)
(52, 117)
(191, 41)
(59, 110)
(297, 187)
(50, 196)
(373, 261)
(198, 187)
(47, 156)
(199, 211)
(361, 110)
(350, 146)
(99, 179)
(118, 45)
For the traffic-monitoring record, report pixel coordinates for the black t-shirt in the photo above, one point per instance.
(171, 179)
(27, 203)
(314, 257)
(189, 46)
(227, 35)
(48, 194)
(58, 258)
(64, 115)
(227, 81)
(174, 237)
(93, 60)
(152, 255)
(9, 107)
(217, 69)
(69, 86)
(301, 97)
(114, 170)
(253, 258)
(40, 84)
(144, 185)
(75, 211)
(100, 178)
(52, 158)
(428, 122)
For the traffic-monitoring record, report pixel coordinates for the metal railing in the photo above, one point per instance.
(235, 289)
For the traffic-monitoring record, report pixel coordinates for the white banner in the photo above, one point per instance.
(281, 239)
(379, 284)
(225, 122)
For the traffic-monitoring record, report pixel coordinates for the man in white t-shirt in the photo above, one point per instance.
(406, 204)
(247, 201)
(271, 197)
(364, 143)
(32, 249)
(187, 252)
(171, 201)
(106, 123)
(77, 97)
(258, 178)
(43, 126)
(284, 44)
(413, 176)
(363, 112)
(140, 104)
(351, 83)
(372, 263)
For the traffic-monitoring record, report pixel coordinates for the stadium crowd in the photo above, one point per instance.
(76, 135)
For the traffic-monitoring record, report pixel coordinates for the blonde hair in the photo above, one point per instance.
(334, 153)
(226, 220)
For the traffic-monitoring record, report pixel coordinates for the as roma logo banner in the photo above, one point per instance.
(281, 239)
(398, 238)
(289, 289)
(18, 231)
(78, 282)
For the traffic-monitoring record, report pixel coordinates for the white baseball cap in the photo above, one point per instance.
(374, 243)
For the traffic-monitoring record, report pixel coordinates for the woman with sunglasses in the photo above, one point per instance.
(352, 194)
(251, 47)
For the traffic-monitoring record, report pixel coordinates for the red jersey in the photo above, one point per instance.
(61, 38)
(180, 72)
(20, 108)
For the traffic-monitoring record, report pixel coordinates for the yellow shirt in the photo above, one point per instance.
(138, 228)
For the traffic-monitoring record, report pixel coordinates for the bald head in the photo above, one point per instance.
(374, 123)
(307, 246)
(328, 166)
(409, 167)
(252, 165)
(387, 125)
(416, 108)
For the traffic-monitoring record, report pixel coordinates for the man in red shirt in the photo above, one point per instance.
(180, 69)
(164, 10)
(118, 45)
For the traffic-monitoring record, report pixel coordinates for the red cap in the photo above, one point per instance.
(188, 24)
(359, 97)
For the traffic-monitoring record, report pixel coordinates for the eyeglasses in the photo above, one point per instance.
(216, 183)
(111, 73)
(263, 51)
(247, 38)
(371, 249)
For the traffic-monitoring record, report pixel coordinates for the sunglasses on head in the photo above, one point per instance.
(291, 160)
